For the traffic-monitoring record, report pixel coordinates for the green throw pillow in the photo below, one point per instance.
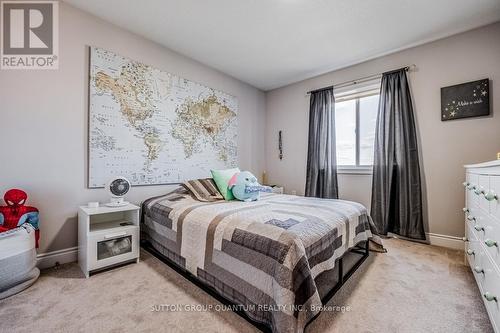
(221, 179)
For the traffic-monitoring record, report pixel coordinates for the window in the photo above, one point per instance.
(355, 120)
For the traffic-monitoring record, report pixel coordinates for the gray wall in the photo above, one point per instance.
(43, 122)
(445, 146)
(43, 126)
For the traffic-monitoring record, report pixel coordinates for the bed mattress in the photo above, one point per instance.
(270, 256)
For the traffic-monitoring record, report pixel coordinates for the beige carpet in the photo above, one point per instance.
(413, 288)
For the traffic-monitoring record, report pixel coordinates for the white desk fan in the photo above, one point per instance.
(118, 187)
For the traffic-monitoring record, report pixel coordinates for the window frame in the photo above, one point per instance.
(358, 168)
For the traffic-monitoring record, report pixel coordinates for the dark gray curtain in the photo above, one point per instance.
(321, 178)
(396, 204)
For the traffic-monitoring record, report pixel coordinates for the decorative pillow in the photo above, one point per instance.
(203, 189)
(221, 178)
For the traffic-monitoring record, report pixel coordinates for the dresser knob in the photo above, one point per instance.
(478, 228)
(489, 297)
(490, 243)
(466, 210)
(470, 252)
(471, 218)
(478, 270)
(490, 196)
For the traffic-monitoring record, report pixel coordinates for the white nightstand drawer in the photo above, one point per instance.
(113, 246)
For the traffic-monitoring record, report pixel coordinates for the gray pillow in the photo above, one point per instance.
(203, 189)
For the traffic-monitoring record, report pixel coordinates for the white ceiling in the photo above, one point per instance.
(271, 43)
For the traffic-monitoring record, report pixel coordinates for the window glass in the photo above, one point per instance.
(345, 132)
(355, 121)
(368, 109)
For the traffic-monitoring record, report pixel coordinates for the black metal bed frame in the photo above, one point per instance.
(363, 250)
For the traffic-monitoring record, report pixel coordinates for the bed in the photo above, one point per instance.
(278, 260)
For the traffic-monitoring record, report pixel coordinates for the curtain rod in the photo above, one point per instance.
(362, 79)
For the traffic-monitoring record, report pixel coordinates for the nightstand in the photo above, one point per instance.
(277, 189)
(107, 236)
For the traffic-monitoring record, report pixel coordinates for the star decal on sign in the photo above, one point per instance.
(452, 114)
(483, 92)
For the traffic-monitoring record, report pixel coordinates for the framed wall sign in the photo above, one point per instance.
(471, 99)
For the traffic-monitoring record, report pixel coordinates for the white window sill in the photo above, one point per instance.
(355, 170)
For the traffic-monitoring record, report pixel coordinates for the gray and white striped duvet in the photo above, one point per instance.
(270, 256)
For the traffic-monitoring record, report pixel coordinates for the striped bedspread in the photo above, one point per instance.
(270, 256)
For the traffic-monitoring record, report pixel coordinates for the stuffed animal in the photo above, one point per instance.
(245, 187)
(16, 213)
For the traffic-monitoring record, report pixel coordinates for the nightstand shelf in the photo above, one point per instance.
(107, 236)
(110, 226)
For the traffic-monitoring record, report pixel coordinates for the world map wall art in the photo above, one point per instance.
(471, 99)
(154, 127)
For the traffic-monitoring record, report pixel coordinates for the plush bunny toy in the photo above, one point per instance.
(245, 187)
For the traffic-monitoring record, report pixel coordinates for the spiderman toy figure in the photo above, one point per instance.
(16, 213)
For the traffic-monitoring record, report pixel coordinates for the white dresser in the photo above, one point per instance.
(482, 232)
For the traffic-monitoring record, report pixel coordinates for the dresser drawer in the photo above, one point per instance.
(470, 233)
(491, 291)
(477, 264)
(483, 187)
(495, 190)
(473, 249)
(472, 184)
(491, 240)
(476, 221)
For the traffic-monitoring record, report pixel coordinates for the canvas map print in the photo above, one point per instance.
(154, 127)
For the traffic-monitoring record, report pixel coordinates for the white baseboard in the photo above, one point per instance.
(49, 259)
(451, 242)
